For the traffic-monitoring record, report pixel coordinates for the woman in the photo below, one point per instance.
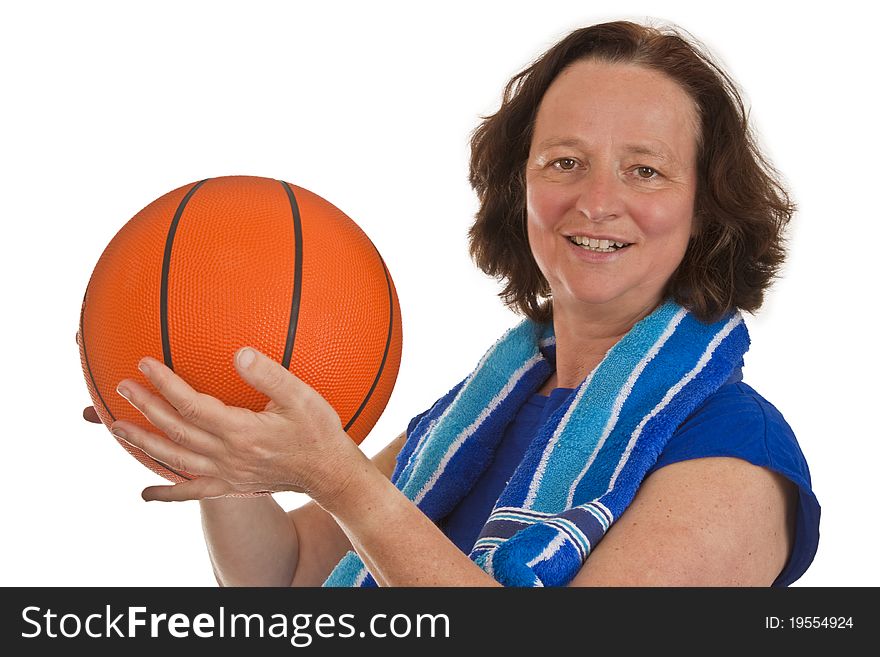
(608, 439)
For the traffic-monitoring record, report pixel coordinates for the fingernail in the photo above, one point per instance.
(143, 367)
(125, 392)
(246, 357)
(119, 433)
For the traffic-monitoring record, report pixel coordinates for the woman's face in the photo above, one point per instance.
(612, 161)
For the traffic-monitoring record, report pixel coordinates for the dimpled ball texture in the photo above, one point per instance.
(240, 260)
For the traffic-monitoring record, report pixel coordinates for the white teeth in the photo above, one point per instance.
(602, 246)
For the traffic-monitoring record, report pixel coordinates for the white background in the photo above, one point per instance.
(105, 106)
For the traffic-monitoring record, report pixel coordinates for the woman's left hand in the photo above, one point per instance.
(296, 443)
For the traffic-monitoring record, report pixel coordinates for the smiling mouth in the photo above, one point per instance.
(599, 246)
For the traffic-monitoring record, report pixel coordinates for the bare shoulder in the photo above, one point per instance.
(705, 522)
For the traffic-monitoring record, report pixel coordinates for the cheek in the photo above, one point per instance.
(544, 210)
(538, 243)
(668, 223)
(545, 206)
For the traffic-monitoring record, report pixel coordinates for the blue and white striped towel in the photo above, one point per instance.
(586, 463)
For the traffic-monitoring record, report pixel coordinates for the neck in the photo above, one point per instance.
(584, 336)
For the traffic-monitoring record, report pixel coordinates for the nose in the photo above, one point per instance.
(600, 196)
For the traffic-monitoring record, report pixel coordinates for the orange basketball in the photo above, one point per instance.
(226, 262)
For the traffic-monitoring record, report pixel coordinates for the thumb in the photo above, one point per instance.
(269, 377)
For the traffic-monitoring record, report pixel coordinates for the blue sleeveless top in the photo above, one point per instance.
(735, 421)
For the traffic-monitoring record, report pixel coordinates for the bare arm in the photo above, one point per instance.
(254, 542)
(708, 521)
(705, 522)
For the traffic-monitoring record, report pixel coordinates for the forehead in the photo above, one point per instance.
(594, 102)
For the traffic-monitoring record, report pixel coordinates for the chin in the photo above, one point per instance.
(606, 297)
(589, 298)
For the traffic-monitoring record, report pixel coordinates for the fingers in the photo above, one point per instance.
(203, 488)
(269, 377)
(195, 489)
(196, 408)
(163, 450)
(91, 415)
(166, 418)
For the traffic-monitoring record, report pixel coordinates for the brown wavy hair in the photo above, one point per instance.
(741, 207)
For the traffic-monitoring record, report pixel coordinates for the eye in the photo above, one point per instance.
(564, 164)
(646, 173)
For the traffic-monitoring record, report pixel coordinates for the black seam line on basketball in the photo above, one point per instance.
(82, 336)
(387, 345)
(166, 263)
(297, 276)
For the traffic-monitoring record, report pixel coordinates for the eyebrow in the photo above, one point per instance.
(558, 141)
(641, 149)
(635, 149)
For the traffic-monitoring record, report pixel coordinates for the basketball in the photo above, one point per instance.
(241, 260)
